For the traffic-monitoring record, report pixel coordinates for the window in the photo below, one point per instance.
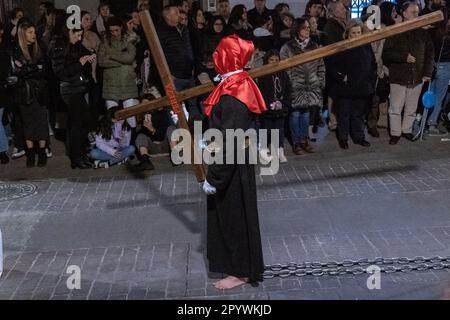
(359, 5)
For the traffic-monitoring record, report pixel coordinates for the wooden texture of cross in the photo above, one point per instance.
(174, 98)
(169, 86)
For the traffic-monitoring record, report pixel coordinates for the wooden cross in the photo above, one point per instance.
(174, 98)
(169, 87)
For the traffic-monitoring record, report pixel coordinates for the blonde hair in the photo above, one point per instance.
(22, 39)
(352, 24)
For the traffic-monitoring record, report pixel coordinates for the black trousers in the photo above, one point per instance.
(78, 125)
(351, 113)
(17, 128)
(273, 123)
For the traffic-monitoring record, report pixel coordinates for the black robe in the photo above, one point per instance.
(233, 235)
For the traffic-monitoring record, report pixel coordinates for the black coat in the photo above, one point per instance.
(360, 68)
(4, 73)
(253, 14)
(233, 236)
(266, 85)
(31, 76)
(65, 60)
(177, 49)
(334, 31)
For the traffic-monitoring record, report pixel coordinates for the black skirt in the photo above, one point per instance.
(35, 122)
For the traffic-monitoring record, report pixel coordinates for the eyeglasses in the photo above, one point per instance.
(306, 28)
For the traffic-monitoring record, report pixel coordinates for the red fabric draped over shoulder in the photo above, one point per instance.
(233, 54)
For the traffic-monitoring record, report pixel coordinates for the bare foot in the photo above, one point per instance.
(230, 282)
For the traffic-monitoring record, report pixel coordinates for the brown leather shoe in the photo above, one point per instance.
(298, 150)
(394, 140)
(306, 147)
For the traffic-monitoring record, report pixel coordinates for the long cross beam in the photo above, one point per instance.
(169, 87)
(322, 52)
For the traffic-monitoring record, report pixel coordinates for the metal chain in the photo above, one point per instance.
(387, 265)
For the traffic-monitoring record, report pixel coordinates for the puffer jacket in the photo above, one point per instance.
(416, 42)
(119, 76)
(307, 80)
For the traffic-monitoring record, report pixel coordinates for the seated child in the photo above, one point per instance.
(112, 141)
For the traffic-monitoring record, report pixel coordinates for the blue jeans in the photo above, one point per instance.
(101, 155)
(299, 121)
(439, 87)
(3, 137)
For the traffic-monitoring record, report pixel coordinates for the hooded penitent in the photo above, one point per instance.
(231, 56)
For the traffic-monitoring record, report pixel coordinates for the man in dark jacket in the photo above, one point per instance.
(336, 23)
(177, 48)
(409, 57)
(259, 10)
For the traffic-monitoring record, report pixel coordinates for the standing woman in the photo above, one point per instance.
(72, 64)
(276, 90)
(353, 75)
(101, 23)
(238, 23)
(4, 72)
(11, 28)
(197, 27)
(30, 68)
(214, 33)
(117, 57)
(91, 41)
(308, 82)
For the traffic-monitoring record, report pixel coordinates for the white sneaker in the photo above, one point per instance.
(16, 154)
(281, 155)
(101, 164)
(124, 161)
(264, 156)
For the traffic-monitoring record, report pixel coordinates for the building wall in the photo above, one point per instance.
(87, 5)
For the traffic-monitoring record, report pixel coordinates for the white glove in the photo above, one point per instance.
(208, 189)
(174, 116)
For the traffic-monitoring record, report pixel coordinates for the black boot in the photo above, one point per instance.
(4, 158)
(42, 157)
(31, 157)
(79, 164)
(145, 164)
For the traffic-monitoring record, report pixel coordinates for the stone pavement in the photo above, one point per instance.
(142, 236)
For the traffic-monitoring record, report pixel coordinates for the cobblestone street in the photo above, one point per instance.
(142, 236)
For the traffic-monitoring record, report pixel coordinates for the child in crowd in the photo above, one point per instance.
(276, 90)
(112, 142)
